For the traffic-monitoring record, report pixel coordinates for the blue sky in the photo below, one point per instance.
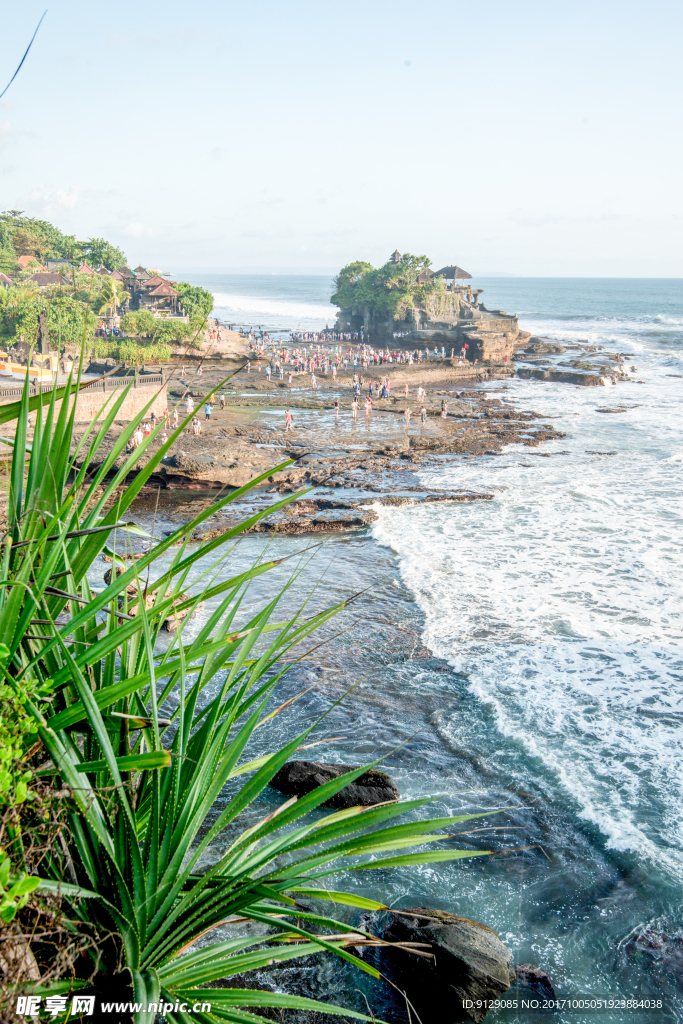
(526, 138)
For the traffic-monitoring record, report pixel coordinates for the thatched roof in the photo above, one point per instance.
(454, 274)
(395, 256)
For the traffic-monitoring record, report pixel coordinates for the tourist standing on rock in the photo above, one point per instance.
(407, 389)
(423, 416)
(153, 417)
(336, 408)
(174, 419)
(288, 421)
(354, 407)
(189, 405)
(313, 380)
(444, 409)
(407, 416)
(222, 402)
(196, 426)
(368, 405)
(207, 411)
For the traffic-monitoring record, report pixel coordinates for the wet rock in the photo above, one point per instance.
(541, 346)
(659, 942)
(535, 979)
(471, 964)
(296, 778)
(563, 376)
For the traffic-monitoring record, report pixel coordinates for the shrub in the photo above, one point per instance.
(145, 736)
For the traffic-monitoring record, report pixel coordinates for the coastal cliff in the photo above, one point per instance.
(405, 303)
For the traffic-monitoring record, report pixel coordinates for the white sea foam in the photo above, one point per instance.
(264, 310)
(562, 602)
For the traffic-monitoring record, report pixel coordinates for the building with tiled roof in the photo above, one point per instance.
(44, 278)
(26, 261)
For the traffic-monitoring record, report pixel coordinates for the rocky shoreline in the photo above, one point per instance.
(349, 469)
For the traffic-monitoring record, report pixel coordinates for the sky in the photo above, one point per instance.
(527, 138)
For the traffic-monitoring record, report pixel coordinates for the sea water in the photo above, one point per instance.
(555, 613)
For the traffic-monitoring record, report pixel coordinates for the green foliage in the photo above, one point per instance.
(125, 350)
(15, 889)
(15, 726)
(151, 794)
(39, 238)
(8, 255)
(111, 295)
(172, 331)
(99, 252)
(197, 302)
(385, 292)
(29, 236)
(67, 318)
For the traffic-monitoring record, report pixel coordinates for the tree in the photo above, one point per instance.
(99, 252)
(113, 294)
(172, 331)
(385, 292)
(147, 323)
(196, 301)
(8, 256)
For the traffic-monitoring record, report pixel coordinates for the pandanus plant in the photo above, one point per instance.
(144, 781)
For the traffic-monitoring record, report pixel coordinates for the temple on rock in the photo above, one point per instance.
(405, 303)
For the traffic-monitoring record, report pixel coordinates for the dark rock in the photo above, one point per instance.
(563, 376)
(296, 778)
(535, 979)
(471, 965)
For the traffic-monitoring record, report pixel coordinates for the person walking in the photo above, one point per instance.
(222, 402)
(288, 421)
(174, 419)
(354, 407)
(207, 411)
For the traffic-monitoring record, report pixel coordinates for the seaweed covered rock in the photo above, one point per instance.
(296, 778)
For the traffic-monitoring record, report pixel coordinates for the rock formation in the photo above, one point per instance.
(471, 965)
(296, 778)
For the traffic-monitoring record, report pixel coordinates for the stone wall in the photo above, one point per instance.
(93, 397)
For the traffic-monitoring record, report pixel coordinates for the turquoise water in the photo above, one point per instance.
(553, 615)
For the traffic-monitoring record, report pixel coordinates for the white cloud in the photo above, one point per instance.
(139, 230)
(50, 202)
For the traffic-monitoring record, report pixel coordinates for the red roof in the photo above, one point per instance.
(85, 269)
(26, 261)
(164, 289)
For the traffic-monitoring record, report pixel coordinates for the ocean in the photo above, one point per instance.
(551, 676)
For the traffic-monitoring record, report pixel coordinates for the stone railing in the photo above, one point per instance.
(148, 380)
